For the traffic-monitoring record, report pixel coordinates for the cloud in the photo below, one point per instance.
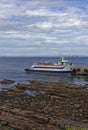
(43, 24)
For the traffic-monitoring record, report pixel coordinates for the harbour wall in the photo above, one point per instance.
(80, 70)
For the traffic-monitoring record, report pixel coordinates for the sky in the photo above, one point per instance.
(43, 27)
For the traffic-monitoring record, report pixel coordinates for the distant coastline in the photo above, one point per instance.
(18, 56)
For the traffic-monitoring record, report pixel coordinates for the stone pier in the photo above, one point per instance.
(80, 70)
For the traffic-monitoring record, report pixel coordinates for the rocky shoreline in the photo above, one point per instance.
(44, 106)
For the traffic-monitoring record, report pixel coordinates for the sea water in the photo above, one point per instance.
(13, 68)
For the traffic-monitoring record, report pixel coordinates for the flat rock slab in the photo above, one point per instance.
(6, 81)
(54, 106)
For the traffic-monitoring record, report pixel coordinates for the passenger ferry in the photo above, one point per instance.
(62, 67)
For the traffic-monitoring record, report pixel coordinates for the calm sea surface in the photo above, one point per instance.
(13, 68)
